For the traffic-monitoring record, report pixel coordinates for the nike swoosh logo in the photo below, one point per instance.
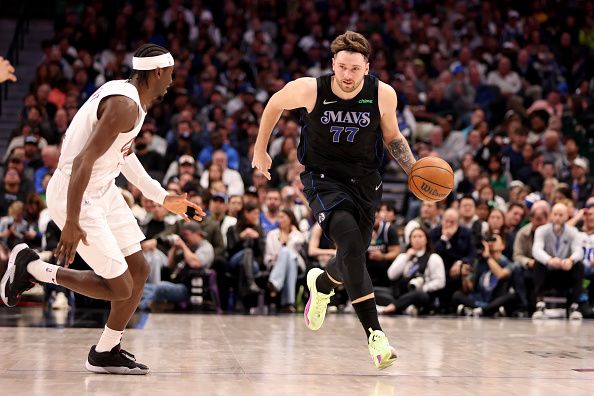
(378, 186)
(326, 102)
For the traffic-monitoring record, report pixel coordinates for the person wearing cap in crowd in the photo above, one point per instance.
(19, 141)
(581, 186)
(189, 251)
(32, 157)
(185, 164)
(95, 220)
(217, 208)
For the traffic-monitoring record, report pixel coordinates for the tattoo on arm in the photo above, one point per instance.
(400, 150)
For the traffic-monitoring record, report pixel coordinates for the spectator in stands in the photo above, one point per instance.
(186, 164)
(231, 178)
(10, 190)
(429, 219)
(470, 176)
(235, 205)
(488, 289)
(219, 142)
(245, 247)
(217, 207)
(470, 220)
(153, 162)
(383, 249)
(189, 253)
(50, 156)
(522, 253)
(505, 79)
(581, 187)
(283, 257)
(269, 215)
(557, 252)
(588, 248)
(293, 199)
(417, 274)
(454, 244)
(320, 249)
(14, 228)
(563, 164)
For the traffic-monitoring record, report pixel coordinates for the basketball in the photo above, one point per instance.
(431, 179)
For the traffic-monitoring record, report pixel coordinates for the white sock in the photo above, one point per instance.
(109, 339)
(43, 272)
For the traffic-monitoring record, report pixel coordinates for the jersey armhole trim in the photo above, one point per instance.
(318, 89)
(125, 96)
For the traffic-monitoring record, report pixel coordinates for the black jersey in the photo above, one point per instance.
(342, 137)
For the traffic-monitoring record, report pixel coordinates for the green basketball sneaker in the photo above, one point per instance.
(382, 353)
(315, 310)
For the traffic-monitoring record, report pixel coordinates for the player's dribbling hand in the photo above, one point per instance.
(262, 162)
(179, 204)
(72, 234)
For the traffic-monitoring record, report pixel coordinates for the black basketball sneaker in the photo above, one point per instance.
(17, 279)
(116, 361)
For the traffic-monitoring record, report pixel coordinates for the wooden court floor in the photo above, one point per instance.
(277, 355)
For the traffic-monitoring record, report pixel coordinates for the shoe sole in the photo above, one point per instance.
(309, 286)
(115, 370)
(10, 268)
(387, 362)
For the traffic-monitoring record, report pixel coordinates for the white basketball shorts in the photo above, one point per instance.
(112, 230)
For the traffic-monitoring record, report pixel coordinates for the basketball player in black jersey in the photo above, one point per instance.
(349, 117)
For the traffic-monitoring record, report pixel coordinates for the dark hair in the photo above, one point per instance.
(428, 246)
(146, 51)
(352, 42)
(468, 196)
(389, 206)
(242, 222)
(291, 215)
(516, 205)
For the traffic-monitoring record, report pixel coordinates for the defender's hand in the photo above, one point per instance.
(179, 204)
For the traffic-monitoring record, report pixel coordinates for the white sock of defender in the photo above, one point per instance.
(43, 272)
(109, 339)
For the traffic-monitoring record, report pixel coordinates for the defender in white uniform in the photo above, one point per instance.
(95, 220)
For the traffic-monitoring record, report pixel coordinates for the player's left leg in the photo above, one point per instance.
(351, 239)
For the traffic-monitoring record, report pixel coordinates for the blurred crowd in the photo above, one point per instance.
(502, 90)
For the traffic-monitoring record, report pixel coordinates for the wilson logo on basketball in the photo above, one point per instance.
(431, 191)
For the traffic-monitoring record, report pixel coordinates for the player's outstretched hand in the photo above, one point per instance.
(180, 205)
(262, 162)
(72, 234)
(6, 71)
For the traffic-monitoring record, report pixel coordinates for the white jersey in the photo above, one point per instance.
(108, 166)
(587, 244)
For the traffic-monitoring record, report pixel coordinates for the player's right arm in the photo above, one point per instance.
(298, 93)
(116, 114)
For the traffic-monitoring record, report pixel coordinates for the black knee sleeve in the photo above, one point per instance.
(344, 231)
